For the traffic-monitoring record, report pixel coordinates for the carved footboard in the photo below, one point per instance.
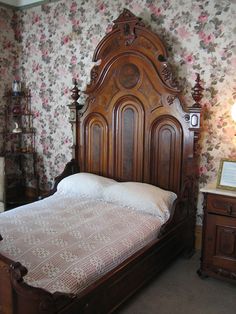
(6, 293)
(103, 296)
(16, 297)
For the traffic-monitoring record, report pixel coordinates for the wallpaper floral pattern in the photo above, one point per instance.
(57, 41)
(9, 53)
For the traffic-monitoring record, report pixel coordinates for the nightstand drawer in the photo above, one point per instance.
(221, 204)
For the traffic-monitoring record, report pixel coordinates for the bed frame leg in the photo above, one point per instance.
(202, 274)
(6, 295)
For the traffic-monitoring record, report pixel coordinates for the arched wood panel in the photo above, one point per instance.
(95, 145)
(134, 126)
(128, 140)
(166, 143)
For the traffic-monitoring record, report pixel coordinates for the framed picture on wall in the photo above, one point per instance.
(227, 175)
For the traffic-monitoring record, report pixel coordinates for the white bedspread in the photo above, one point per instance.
(66, 245)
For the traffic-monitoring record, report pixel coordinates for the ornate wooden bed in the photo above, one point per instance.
(133, 127)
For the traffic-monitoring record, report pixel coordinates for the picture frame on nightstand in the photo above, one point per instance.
(227, 175)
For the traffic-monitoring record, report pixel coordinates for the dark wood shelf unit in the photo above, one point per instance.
(24, 94)
(24, 132)
(22, 176)
(19, 153)
(18, 136)
(19, 201)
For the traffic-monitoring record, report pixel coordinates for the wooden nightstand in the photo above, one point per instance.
(219, 234)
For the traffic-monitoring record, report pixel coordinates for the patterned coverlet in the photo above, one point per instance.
(67, 243)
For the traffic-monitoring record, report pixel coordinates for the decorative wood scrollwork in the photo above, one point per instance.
(94, 74)
(166, 72)
(167, 75)
(18, 271)
(187, 117)
(45, 302)
(126, 22)
(90, 100)
(170, 99)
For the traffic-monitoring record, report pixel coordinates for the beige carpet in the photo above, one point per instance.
(179, 290)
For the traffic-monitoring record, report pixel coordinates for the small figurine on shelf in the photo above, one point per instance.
(17, 129)
(16, 109)
(16, 88)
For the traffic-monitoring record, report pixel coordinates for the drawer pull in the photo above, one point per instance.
(230, 209)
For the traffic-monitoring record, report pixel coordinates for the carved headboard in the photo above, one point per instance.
(134, 126)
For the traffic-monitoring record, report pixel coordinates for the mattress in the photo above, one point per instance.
(68, 243)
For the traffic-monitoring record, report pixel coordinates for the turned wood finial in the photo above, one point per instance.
(75, 92)
(197, 92)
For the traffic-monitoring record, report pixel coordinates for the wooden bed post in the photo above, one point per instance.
(72, 166)
(194, 121)
(73, 119)
(195, 111)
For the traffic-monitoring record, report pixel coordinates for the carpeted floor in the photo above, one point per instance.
(179, 290)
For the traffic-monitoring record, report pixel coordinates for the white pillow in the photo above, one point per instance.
(142, 197)
(84, 184)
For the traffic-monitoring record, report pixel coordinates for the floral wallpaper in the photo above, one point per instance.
(9, 58)
(8, 50)
(56, 43)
